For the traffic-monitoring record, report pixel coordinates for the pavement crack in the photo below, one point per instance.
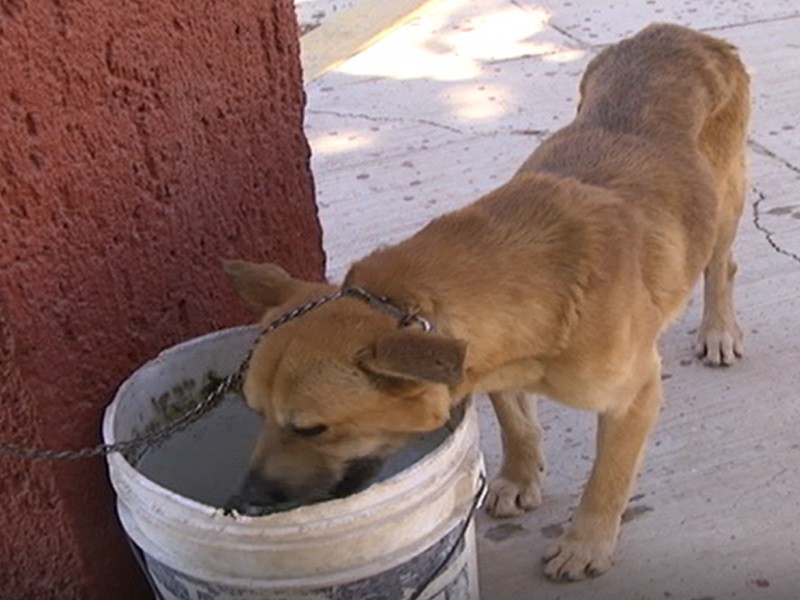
(538, 133)
(749, 22)
(560, 30)
(768, 235)
(764, 151)
(439, 125)
(374, 119)
(344, 115)
(762, 197)
(582, 43)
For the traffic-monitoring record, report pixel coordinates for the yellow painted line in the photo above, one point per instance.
(329, 45)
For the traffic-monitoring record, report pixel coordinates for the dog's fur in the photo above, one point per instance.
(557, 283)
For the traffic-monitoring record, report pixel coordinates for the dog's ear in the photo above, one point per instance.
(263, 286)
(413, 355)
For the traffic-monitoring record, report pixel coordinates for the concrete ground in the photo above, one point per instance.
(446, 107)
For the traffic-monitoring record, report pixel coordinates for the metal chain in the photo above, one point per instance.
(228, 384)
(154, 437)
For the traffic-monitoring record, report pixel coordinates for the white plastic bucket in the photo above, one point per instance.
(410, 536)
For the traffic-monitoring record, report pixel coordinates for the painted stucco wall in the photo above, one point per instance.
(140, 143)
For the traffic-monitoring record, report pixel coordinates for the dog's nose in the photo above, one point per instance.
(257, 496)
(357, 476)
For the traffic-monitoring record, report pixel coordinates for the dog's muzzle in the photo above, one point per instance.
(260, 496)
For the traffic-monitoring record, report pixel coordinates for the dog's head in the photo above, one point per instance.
(339, 389)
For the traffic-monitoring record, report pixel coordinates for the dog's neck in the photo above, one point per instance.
(480, 319)
(454, 274)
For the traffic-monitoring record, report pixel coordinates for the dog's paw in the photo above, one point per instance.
(575, 559)
(507, 498)
(719, 347)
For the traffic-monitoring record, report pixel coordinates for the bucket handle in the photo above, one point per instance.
(477, 501)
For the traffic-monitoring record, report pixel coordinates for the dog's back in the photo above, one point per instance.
(662, 124)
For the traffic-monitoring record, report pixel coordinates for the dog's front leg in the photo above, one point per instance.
(586, 548)
(518, 486)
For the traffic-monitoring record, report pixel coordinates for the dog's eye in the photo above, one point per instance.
(310, 431)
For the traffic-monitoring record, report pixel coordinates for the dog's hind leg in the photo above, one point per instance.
(723, 140)
(517, 488)
(586, 549)
(719, 339)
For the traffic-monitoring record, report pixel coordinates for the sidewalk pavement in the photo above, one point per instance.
(445, 108)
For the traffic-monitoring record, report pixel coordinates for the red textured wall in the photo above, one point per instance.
(140, 143)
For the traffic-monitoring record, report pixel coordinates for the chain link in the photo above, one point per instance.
(230, 383)
(227, 384)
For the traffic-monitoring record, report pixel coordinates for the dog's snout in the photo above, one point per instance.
(257, 496)
(260, 488)
(357, 476)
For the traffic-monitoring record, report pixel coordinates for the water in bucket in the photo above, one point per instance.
(208, 460)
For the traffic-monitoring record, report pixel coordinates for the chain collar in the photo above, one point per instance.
(232, 382)
(383, 303)
(405, 318)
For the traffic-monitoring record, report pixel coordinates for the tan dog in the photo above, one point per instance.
(558, 283)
